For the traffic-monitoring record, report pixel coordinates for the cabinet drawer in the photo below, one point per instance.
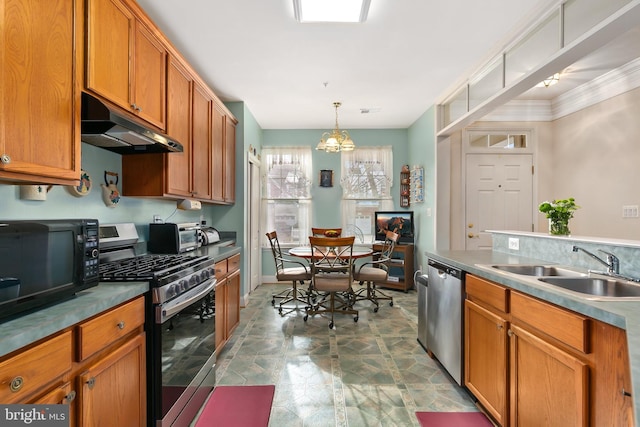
(31, 370)
(234, 263)
(564, 325)
(491, 294)
(221, 269)
(107, 328)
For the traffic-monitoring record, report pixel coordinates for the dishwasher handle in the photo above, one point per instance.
(444, 270)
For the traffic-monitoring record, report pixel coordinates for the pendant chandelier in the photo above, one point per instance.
(337, 140)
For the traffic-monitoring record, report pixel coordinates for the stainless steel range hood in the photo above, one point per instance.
(106, 127)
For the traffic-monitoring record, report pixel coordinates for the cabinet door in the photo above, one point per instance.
(233, 303)
(201, 142)
(485, 336)
(39, 91)
(221, 314)
(179, 83)
(230, 161)
(109, 37)
(217, 153)
(113, 391)
(549, 387)
(149, 86)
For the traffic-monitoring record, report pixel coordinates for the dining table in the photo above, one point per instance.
(305, 252)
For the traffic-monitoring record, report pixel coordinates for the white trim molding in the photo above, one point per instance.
(613, 83)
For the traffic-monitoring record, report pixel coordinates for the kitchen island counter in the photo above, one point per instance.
(622, 314)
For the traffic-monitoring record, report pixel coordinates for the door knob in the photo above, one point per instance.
(473, 236)
(470, 225)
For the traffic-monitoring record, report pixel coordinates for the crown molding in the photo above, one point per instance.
(613, 83)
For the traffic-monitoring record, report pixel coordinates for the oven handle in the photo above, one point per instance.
(172, 307)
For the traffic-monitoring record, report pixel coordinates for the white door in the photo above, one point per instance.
(254, 225)
(499, 190)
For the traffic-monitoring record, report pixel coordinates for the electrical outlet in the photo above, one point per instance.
(630, 211)
(514, 243)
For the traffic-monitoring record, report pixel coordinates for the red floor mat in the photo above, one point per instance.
(238, 406)
(453, 419)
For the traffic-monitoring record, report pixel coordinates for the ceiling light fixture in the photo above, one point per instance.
(331, 10)
(337, 140)
(549, 81)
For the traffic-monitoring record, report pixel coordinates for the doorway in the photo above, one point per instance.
(254, 252)
(499, 189)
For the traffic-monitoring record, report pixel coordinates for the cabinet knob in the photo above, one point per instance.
(70, 397)
(16, 384)
(510, 333)
(91, 382)
(5, 159)
(499, 327)
(625, 392)
(121, 324)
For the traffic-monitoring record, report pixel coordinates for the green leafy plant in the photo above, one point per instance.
(559, 213)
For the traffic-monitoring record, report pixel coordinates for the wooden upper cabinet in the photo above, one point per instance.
(201, 143)
(218, 143)
(40, 91)
(109, 34)
(179, 84)
(230, 160)
(125, 61)
(149, 89)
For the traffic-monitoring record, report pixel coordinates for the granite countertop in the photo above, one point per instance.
(219, 251)
(623, 314)
(27, 329)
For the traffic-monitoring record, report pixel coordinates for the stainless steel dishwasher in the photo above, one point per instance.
(444, 317)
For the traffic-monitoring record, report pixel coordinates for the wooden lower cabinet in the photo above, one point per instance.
(531, 363)
(113, 390)
(102, 377)
(227, 299)
(549, 387)
(485, 372)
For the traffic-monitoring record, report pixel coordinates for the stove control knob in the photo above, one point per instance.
(171, 291)
(193, 280)
(183, 285)
(205, 275)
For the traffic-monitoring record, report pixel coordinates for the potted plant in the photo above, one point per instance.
(559, 212)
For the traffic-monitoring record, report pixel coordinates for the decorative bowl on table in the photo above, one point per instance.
(332, 233)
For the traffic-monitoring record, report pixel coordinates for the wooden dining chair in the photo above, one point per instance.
(332, 277)
(297, 273)
(376, 271)
(326, 232)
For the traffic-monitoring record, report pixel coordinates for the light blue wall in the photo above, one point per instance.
(422, 151)
(61, 204)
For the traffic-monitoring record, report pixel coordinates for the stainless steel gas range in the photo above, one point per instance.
(180, 322)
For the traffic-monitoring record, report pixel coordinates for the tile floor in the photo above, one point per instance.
(369, 373)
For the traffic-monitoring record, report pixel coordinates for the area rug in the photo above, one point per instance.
(453, 419)
(238, 406)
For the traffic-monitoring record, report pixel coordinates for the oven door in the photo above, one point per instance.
(182, 355)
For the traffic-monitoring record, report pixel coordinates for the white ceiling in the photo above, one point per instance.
(407, 55)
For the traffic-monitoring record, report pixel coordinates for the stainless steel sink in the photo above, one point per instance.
(596, 286)
(537, 270)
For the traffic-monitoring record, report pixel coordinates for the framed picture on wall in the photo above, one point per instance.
(326, 178)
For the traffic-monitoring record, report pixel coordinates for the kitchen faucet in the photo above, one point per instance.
(612, 263)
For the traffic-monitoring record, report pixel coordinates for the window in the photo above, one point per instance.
(286, 195)
(367, 177)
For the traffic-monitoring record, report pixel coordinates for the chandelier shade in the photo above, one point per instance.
(336, 140)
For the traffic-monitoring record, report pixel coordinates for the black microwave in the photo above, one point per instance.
(45, 261)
